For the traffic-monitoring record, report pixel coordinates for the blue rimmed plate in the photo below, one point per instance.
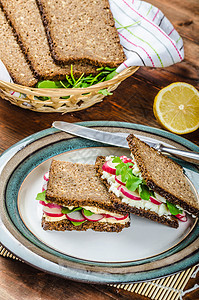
(144, 251)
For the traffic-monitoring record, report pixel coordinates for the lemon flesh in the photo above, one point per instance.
(176, 107)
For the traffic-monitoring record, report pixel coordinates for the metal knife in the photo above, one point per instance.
(120, 140)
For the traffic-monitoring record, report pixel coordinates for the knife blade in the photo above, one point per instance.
(119, 140)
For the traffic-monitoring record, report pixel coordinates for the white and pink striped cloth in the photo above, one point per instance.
(147, 36)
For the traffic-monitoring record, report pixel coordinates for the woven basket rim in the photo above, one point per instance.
(59, 92)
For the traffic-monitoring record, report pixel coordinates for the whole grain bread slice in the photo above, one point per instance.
(166, 220)
(74, 184)
(163, 175)
(26, 21)
(12, 56)
(96, 226)
(80, 30)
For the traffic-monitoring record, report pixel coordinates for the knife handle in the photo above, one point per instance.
(190, 156)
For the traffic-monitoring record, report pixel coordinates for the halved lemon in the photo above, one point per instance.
(176, 108)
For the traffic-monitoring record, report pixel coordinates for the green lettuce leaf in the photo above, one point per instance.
(77, 223)
(87, 213)
(41, 196)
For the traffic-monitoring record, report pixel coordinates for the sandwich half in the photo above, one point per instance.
(74, 198)
(149, 184)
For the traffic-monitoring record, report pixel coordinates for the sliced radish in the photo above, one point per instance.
(94, 217)
(182, 217)
(44, 187)
(155, 201)
(75, 216)
(53, 210)
(109, 167)
(50, 205)
(119, 180)
(53, 215)
(129, 194)
(46, 176)
(125, 159)
(116, 218)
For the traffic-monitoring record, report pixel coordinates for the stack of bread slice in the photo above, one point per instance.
(41, 39)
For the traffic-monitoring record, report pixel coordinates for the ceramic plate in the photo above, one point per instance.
(144, 251)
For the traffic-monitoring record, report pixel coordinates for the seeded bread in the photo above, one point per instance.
(86, 31)
(26, 21)
(12, 56)
(96, 226)
(74, 184)
(119, 205)
(163, 175)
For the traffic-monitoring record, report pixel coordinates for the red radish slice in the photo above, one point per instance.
(182, 217)
(50, 205)
(44, 187)
(75, 216)
(46, 176)
(132, 195)
(122, 218)
(53, 215)
(117, 218)
(155, 201)
(53, 210)
(94, 217)
(125, 159)
(118, 180)
(109, 167)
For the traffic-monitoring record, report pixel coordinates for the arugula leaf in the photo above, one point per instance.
(77, 223)
(111, 75)
(173, 209)
(144, 191)
(105, 92)
(66, 210)
(41, 196)
(81, 82)
(116, 159)
(87, 213)
(133, 183)
(48, 84)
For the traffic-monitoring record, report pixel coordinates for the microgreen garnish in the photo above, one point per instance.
(132, 181)
(105, 73)
(173, 209)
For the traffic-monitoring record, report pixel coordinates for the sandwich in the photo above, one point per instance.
(148, 184)
(74, 198)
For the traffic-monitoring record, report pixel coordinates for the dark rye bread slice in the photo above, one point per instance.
(170, 221)
(74, 184)
(82, 30)
(12, 56)
(96, 226)
(163, 175)
(26, 21)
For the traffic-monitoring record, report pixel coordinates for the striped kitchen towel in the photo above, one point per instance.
(147, 36)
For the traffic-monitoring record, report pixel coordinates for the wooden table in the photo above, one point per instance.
(131, 102)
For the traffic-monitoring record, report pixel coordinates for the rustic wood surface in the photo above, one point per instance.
(131, 102)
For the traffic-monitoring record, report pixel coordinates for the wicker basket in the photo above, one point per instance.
(80, 98)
